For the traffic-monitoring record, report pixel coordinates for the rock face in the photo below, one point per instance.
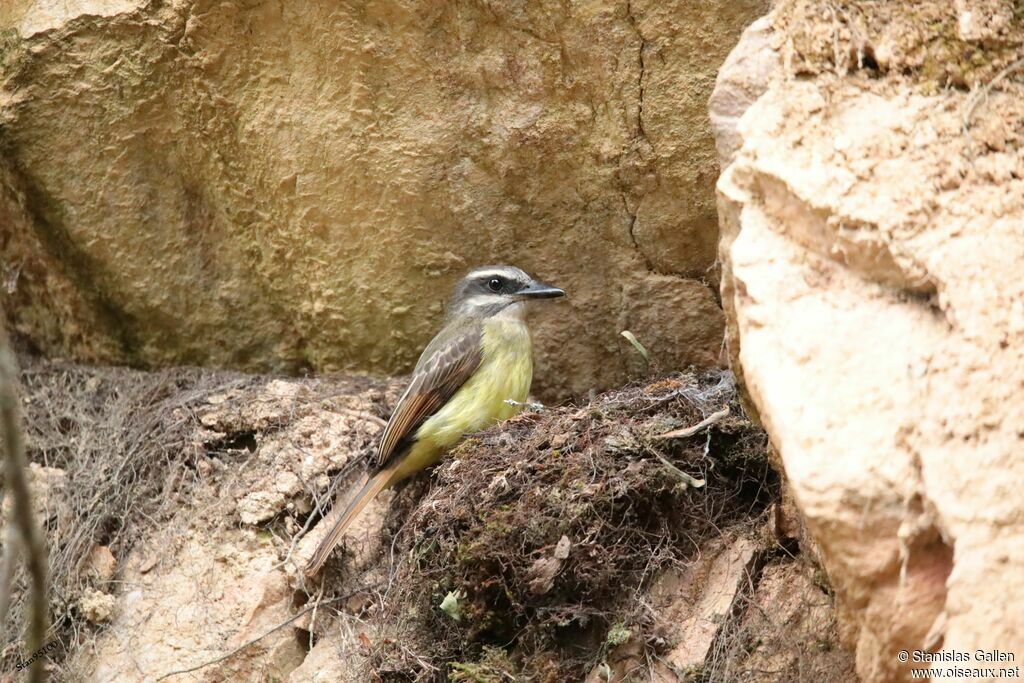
(259, 185)
(207, 596)
(872, 247)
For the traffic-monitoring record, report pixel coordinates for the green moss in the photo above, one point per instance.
(450, 605)
(617, 635)
(494, 666)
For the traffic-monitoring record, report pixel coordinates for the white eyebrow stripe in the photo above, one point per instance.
(495, 272)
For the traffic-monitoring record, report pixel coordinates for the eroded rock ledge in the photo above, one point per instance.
(565, 542)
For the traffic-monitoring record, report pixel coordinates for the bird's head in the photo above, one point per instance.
(489, 290)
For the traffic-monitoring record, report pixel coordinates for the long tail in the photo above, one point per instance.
(360, 500)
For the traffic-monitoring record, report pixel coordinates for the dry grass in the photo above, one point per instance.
(121, 438)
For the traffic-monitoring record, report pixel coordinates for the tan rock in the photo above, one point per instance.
(259, 506)
(787, 632)
(984, 19)
(743, 78)
(187, 183)
(697, 601)
(339, 656)
(670, 207)
(877, 317)
(693, 604)
(101, 563)
(211, 594)
(288, 464)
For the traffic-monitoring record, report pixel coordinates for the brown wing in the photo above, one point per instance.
(447, 362)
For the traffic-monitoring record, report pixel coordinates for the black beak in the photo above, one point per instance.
(539, 290)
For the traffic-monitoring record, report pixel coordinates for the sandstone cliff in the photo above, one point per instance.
(251, 185)
(872, 248)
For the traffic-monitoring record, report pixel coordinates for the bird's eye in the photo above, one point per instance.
(494, 284)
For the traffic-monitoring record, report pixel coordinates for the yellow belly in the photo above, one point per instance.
(505, 373)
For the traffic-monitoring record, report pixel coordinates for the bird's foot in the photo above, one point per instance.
(535, 407)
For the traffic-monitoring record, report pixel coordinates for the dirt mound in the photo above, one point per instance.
(538, 536)
(118, 455)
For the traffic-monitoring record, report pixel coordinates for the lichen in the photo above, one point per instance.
(617, 635)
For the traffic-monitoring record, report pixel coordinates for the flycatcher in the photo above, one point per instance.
(475, 372)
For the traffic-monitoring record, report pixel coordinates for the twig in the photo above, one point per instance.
(260, 637)
(981, 94)
(7, 566)
(690, 431)
(312, 619)
(686, 478)
(17, 483)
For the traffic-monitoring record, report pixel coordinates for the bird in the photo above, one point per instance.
(474, 373)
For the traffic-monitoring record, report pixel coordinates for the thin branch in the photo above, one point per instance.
(243, 646)
(981, 94)
(312, 619)
(7, 567)
(690, 431)
(690, 481)
(17, 484)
